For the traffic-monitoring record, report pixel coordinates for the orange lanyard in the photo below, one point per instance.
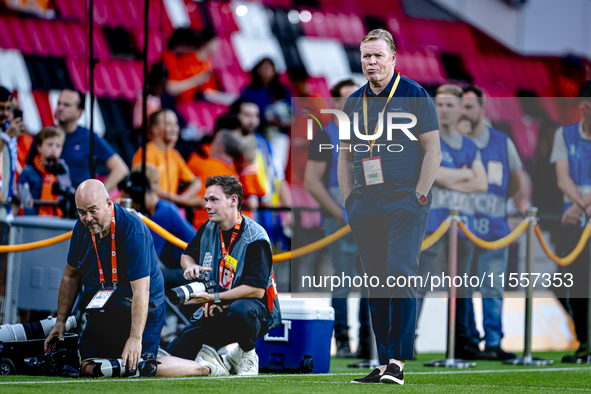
(366, 124)
(113, 255)
(225, 252)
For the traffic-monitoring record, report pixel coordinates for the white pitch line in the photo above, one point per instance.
(271, 377)
(467, 385)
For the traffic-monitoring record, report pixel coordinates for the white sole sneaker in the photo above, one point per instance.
(211, 356)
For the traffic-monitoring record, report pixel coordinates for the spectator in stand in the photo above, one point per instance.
(189, 65)
(177, 182)
(76, 151)
(46, 171)
(12, 128)
(266, 176)
(265, 87)
(222, 154)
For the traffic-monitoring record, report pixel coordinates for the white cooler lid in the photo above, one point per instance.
(302, 309)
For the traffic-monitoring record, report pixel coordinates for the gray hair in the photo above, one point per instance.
(380, 34)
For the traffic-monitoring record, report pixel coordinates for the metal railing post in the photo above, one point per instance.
(450, 360)
(527, 359)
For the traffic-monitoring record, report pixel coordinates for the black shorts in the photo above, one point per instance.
(106, 333)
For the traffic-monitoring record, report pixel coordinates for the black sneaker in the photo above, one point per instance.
(373, 377)
(497, 354)
(469, 351)
(393, 375)
(343, 349)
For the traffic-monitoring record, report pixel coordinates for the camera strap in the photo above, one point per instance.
(113, 255)
(228, 264)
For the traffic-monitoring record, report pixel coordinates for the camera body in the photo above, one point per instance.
(182, 294)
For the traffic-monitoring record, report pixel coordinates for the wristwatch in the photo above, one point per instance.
(216, 298)
(422, 199)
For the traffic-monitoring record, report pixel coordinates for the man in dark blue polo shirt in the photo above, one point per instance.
(386, 187)
(112, 255)
(76, 150)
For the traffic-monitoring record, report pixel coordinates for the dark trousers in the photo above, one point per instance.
(389, 235)
(575, 298)
(245, 322)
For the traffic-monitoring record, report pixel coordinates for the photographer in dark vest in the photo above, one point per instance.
(234, 253)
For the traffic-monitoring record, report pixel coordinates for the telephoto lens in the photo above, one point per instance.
(108, 368)
(182, 294)
(32, 330)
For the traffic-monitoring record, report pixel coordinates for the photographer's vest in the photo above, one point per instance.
(490, 222)
(210, 255)
(333, 180)
(579, 164)
(445, 198)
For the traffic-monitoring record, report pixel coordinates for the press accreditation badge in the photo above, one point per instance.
(372, 169)
(100, 299)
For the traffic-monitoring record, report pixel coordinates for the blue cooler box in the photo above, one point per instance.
(302, 343)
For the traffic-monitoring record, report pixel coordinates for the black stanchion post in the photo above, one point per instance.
(527, 358)
(450, 360)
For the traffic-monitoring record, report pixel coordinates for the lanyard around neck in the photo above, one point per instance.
(225, 252)
(366, 124)
(113, 255)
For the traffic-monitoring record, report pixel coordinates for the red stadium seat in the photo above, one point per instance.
(234, 81)
(71, 9)
(44, 108)
(318, 85)
(54, 41)
(7, 40)
(38, 40)
(222, 18)
(21, 39)
(194, 12)
(155, 44)
(72, 37)
(76, 68)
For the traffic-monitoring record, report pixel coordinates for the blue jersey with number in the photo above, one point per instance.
(579, 164)
(445, 198)
(490, 222)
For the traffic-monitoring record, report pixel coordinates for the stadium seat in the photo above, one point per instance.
(155, 44)
(14, 74)
(222, 18)
(42, 101)
(27, 104)
(234, 81)
(201, 115)
(19, 35)
(250, 51)
(71, 9)
(324, 58)
(254, 24)
(193, 9)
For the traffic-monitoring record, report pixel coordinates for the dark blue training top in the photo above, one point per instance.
(136, 258)
(76, 151)
(167, 215)
(402, 165)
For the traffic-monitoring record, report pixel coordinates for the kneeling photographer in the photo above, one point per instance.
(112, 256)
(232, 258)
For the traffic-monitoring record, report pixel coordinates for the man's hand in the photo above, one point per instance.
(588, 211)
(200, 298)
(16, 128)
(340, 218)
(572, 215)
(131, 353)
(193, 271)
(56, 332)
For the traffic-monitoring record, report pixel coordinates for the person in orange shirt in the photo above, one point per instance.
(214, 159)
(188, 61)
(177, 182)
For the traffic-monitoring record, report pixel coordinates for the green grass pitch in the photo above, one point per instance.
(486, 377)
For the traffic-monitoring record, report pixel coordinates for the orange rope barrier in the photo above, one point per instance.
(437, 234)
(36, 244)
(163, 233)
(564, 261)
(493, 245)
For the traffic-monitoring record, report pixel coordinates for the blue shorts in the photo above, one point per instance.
(106, 333)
